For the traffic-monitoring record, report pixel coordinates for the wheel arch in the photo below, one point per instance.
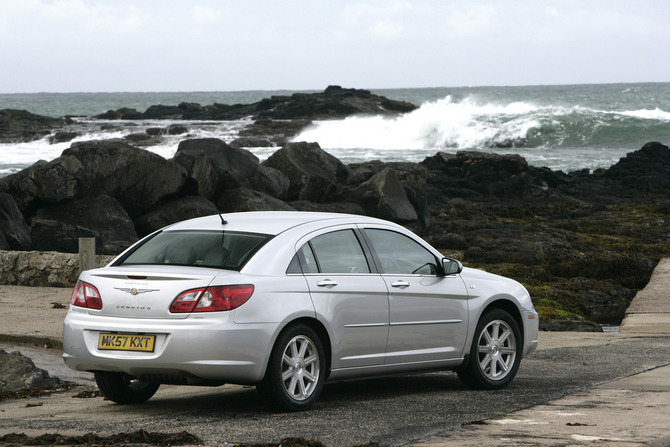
(320, 330)
(508, 306)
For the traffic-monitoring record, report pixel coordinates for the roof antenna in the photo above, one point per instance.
(223, 221)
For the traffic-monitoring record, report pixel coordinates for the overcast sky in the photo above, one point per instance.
(208, 45)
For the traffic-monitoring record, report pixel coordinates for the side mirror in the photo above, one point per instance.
(451, 266)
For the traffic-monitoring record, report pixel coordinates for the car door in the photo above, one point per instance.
(349, 297)
(428, 312)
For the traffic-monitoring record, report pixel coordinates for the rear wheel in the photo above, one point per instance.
(123, 388)
(296, 370)
(495, 353)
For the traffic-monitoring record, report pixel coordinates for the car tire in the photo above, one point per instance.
(495, 353)
(296, 370)
(123, 388)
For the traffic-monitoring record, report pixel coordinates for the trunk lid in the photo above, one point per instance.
(146, 291)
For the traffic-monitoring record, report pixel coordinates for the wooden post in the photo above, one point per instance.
(86, 253)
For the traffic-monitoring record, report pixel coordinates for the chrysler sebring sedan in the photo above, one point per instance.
(287, 301)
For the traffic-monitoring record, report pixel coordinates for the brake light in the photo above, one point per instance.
(86, 295)
(212, 299)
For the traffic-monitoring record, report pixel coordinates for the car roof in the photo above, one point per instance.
(268, 222)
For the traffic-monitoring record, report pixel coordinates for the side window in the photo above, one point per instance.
(338, 252)
(303, 261)
(401, 255)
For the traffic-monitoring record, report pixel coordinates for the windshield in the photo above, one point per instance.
(218, 249)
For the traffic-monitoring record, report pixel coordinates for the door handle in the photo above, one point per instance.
(326, 283)
(400, 284)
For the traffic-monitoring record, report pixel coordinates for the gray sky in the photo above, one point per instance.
(208, 45)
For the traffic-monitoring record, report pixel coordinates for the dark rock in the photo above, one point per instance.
(313, 173)
(448, 241)
(19, 125)
(138, 179)
(46, 183)
(334, 102)
(155, 131)
(645, 171)
(244, 199)
(477, 174)
(58, 228)
(217, 167)
(63, 137)
(511, 250)
(251, 142)
(277, 133)
(19, 373)
(332, 207)
(383, 196)
(190, 106)
(570, 326)
(163, 112)
(120, 114)
(14, 231)
(142, 139)
(176, 129)
(174, 211)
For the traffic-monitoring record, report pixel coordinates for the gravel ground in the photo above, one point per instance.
(390, 411)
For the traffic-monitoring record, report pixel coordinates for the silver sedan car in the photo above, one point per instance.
(287, 301)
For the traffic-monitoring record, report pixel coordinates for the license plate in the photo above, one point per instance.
(123, 342)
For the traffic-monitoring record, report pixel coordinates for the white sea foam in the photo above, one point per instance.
(656, 114)
(562, 127)
(441, 124)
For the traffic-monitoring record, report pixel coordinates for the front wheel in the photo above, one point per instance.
(296, 370)
(495, 353)
(123, 388)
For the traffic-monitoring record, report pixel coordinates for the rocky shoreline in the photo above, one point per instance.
(582, 242)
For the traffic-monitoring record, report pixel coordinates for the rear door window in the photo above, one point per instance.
(335, 252)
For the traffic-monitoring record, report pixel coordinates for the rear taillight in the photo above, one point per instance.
(212, 299)
(86, 295)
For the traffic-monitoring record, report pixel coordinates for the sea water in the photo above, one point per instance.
(566, 127)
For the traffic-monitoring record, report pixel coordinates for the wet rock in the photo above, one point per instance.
(570, 326)
(14, 231)
(142, 139)
(58, 228)
(244, 199)
(412, 177)
(332, 207)
(137, 178)
(137, 438)
(313, 173)
(251, 142)
(217, 167)
(19, 125)
(174, 211)
(276, 132)
(176, 129)
(46, 183)
(334, 102)
(18, 373)
(383, 196)
(477, 174)
(644, 171)
(63, 137)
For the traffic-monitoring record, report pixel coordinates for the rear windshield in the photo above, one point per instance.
(219, 249)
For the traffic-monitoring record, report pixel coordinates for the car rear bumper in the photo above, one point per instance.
(198, 348)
